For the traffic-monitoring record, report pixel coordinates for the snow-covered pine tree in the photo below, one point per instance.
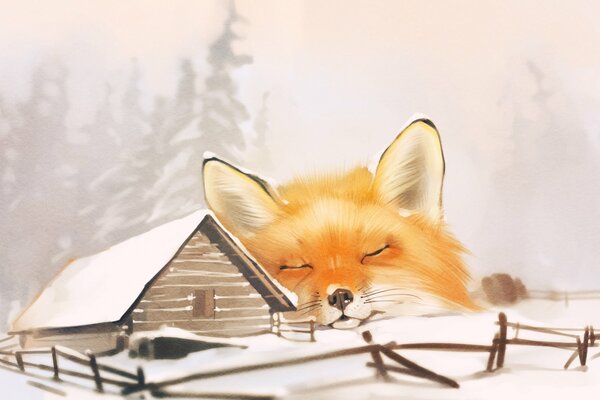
(538, 195)
(256, 153)
(222, 113)
(8, 155)
(123, 185)
(216, 128)
(41, 203)
(97, 156)
(175, 190)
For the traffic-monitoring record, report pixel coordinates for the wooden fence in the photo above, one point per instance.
(383, 354)
(384, 359)
(97, 370)
(280, 326)
(579, 344)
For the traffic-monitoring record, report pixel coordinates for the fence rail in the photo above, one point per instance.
(6, 338)
(57, 353)
(279, 326)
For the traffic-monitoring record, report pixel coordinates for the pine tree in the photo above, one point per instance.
(189, 134)
(256, 153)
(533, 210)
(123, 185)
(8, 155)
(97, 155)
(36, 225)
(222, 113)
(175, 190)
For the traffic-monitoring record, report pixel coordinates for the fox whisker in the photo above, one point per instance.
(381, 290)
(308, 305)
(312, 308)
(374, 292)
(392, 295)
(311, 301)
(387, 301)
(365, 286)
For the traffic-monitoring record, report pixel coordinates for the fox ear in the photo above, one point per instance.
(244, 203)
(410, 172)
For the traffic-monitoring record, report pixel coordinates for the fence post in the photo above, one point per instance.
(312, 330)
(490, 363)
(19, 359)
(586, 338)
(141, 378)
(55, 363)
(376, 355)
(502, 340)
(95, 371)
(122, 340)
(278, 324)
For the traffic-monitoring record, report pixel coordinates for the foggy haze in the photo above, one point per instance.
(106, 109)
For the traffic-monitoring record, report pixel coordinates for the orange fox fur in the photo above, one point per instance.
(345, 230)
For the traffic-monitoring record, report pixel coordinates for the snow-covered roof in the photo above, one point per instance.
(102, 287)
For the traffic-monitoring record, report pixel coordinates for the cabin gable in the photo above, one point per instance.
(206, 289)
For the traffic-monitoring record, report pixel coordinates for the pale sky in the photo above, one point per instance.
(344, 76)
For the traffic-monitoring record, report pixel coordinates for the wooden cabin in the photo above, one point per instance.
(189, 273)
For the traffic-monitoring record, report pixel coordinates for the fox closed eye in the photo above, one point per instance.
(287, 267)
(375, 253)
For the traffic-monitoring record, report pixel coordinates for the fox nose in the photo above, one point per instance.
(340, 299)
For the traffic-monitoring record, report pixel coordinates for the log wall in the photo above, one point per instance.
(237, 308)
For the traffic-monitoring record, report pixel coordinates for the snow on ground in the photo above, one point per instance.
(16, 386)
(531, 372)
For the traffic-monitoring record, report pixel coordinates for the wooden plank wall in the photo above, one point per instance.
(239, 308)
(95, 341)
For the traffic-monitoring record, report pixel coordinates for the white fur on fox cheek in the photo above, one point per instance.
(358, 308)
(328, 315)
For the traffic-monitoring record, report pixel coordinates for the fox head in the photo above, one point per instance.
(352, 244)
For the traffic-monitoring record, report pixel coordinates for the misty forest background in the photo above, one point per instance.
(521, 132)
(150, 162)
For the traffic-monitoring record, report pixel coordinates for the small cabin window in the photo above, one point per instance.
(204, 303)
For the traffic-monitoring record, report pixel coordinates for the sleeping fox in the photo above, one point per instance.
(352, 244)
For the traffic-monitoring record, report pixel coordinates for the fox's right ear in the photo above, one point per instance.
(243, 202)
(410, 173)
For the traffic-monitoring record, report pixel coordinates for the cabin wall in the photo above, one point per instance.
(203, 292)
(96, 342)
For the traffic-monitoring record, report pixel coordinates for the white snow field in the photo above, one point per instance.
(529, 372)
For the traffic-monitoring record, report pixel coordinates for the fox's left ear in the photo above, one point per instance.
(410, 173)
(243, 202)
